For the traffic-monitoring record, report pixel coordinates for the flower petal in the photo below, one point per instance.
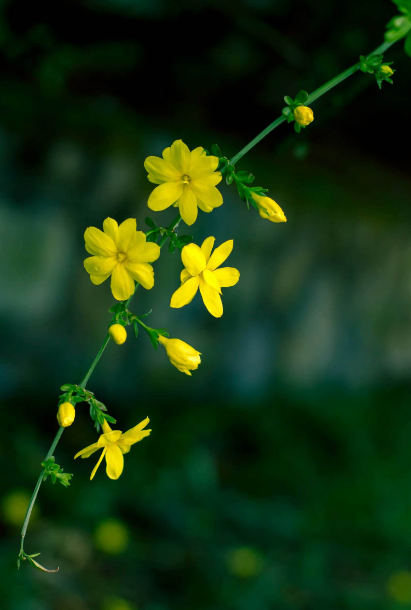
(124, 448)
(184, 275)
(110, 228)
(135, 434)
(180, 156)
(115, 462)
(188, 206)
(144, 252)
(100, 265)
(165, 195)
(227, 276)
(212, 299)
(98, 243)
(109, 438)
(208, 194)
(203, 207)
(185, 294)
(193, 259)
(207, 246)
(125, 234)
(122, 284)
(161, 171)
(143, 273)
(211, 280)
(93, 472)
(220, 254)
(99, 279)
(85, 453)
(203, 166)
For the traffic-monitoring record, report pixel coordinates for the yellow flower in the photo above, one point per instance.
(66, 414)
(114, 443)
(118, 333)
(184, 357)
(303, 115)
(187, 180)
(122, 252)
(386, 70)
(269, 209)
(201, 271)
(111, 536)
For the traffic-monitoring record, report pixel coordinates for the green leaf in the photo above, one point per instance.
(246, 177)
(398, 27)
(153, 337)
(135, 326)
(301, 97)
(215, 150)
(297, 127)
(67, 386)
(110, 419)
(37, 565)
(152, 237)
(150, 223)
(286, 112)
(185, 239)
(288, 100)
(171, 246)
(407, 45)
(76, 399)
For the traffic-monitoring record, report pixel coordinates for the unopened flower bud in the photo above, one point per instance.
(184, 357)
(117, 333)
(269, 209)
(66, 414)
(386, 70)
(303, 115)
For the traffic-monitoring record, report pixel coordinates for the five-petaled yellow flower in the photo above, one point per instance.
(114, 443)
(122, 252)
(187, 180)
(201, 272)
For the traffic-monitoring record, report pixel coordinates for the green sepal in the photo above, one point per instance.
(288, 100)
(297, 127)
(287, 112)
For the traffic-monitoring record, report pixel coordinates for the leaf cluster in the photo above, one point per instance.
(176, 242)
(373, 65)
(400, 25)
(75, 394)
(55, 472)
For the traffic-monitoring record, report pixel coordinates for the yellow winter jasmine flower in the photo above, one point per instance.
(114, 443)
(184, 357)
(303, 115)
(122, 252)
(66, 414)
(269, 209)
(118, 333)
(187, 180)
(201, 272)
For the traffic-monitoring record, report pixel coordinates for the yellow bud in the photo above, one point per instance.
(66, 414)
(386, 70)
(303, 115)
(184, 357)
(269, 209)
(117, 333)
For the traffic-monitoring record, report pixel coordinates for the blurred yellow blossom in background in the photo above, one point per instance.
(244, 562)
(399, 587)
(14, 506)
(111, 537)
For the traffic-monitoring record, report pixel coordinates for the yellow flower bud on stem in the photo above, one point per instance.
(66, 414)
(184, 357)
(303, 115)
(118, 333)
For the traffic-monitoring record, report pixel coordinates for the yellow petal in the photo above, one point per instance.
(99, 279)
(193, 259)
(85, 453)
(209, 195)
(188, 206)
(227, 276)
(122, 284)
(144, 253)
(125, 234)
(98, 243)
(115, 462)
(109, 438)
(165, 195)
(212, 299)
(143, 273)
(103, 453)
(211, 280)
(203, 166)
(139, 239)
(207, 246)
(110, 228)
(135, 434)
(124, 448)
(195, 156)
(220, 254)
(161, 171)
(184, 276)
(99, 265)
(203, 207)
(185, 294)
(180, 156)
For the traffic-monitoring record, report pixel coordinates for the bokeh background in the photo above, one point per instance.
(279, 475)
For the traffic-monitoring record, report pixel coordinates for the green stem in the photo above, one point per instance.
(311, 98)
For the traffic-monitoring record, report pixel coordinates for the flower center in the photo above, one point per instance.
(121, 256)
(186, 179)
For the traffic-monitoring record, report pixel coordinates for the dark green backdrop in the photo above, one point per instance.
(279, 475)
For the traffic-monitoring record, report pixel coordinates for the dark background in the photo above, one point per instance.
(279, 475)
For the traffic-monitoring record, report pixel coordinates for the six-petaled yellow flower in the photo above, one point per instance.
(186, 180)
(122, 252)
(184, 357)
(303, 115)
(269, 209)
(114, 443)
(201, 272)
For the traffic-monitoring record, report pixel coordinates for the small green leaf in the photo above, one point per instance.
(215, 150)
(246, 177)
(150, 223)
(301, 97)
(110, 419)
(76, 399)
(152, 237)
(185, 239)
(135, 326)
(288, 100)
(37, 565)
(66, 387)
(297, 127)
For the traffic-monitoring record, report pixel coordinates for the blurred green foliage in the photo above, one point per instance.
(278, 476)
